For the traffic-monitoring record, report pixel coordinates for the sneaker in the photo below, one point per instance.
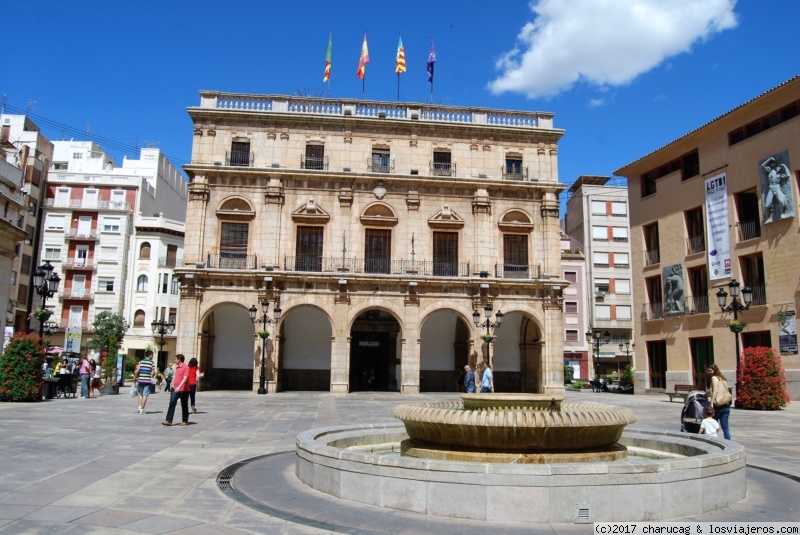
(166, 423)
(83, 397)
(141, 411)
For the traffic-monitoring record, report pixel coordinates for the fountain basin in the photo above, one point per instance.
(687, 475)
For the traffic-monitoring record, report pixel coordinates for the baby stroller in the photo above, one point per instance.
(692, 412)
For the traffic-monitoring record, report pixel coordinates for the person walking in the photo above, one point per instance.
(194, 375)
(168, 373)
(487, 385)
(720, 398)
(86, 371)
(180, 391)
(143, 377)
(469, 380)
(96, 383)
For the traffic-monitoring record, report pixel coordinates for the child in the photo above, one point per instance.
(709, 425)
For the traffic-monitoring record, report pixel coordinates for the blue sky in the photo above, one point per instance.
(623, 77)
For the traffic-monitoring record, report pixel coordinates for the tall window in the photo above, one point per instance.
(651, 244)
(233, 245)
(381, 162)
(655, 298)
(702, 356)
(695, 241)
(698, 282)
(747, 210)
(315, 156)
(648, 185)
(442, 165)
(164, 282)
(657, 360)
(175, 290)
(445, 254)
(513, 169)
(515, 256)
(141, 283)
(753, 276)
(378, 249)
(172, 256)
(138, 318)
(240, 154)
(144, 251)
(308, 251)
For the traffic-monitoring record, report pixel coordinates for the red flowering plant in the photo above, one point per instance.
(21, 368)
(762, 385)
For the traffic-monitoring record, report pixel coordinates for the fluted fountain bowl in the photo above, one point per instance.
(520, 428)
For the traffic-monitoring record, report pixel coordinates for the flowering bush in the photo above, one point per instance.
(21, 368)
(762, 385)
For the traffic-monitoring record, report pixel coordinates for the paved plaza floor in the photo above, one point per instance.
(92, 466)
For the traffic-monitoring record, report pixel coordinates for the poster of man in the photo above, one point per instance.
(776, 187)
(673, 289)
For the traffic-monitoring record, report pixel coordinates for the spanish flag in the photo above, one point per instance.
(362, 63)
(327, 75)
(401, 57)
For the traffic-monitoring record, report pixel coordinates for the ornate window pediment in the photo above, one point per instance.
(235, 208)
(379, 214)
(310, 213)
(446, 219)
(515, 221)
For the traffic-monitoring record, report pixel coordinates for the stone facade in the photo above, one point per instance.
(379, 230)
(675, 255)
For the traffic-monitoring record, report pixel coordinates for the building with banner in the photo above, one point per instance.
(374, 245)
(713, 214)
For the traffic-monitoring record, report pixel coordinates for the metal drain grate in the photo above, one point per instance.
(583, 513)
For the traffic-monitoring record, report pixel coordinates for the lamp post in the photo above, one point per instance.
(625, 346)
(598, 337)
(264, 320)
(46, 283)
(736, 306)
(162, 327)
(487, 312)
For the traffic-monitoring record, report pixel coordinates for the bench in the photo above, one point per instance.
(681, 391)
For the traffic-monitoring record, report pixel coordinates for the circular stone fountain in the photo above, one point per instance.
(522, 458)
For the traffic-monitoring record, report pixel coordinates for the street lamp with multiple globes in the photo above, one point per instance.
(46, 283)
(598, 337)
(162, 327)
(487, 312)
(264, 320)
(625, 346)
(736, 306)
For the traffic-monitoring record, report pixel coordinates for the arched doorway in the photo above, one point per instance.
(305, 350)
(227, 353)
(444, 350)
(374, 352)
(517, 355)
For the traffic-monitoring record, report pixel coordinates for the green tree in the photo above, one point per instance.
(109, 331)
(21, 368)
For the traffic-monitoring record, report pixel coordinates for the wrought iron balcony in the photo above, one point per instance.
(695, 244)
(518, 271)
(331, 264)
(80, 234)
(443, 169)
(652, 257)
(749, 230)
(314, 162)
(654, 311)
(697, 304)
(232, 261)
(78, 263)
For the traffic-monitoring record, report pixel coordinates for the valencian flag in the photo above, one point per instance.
(362, 62)
(431, 61)
(327, 75)
(401, 57)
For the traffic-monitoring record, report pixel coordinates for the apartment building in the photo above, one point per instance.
(11, 234)
(713, 215)
(597, 217)
(577, 348)
(381, 245)
(87, 235)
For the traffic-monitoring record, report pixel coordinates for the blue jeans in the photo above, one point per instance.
(485, 390)
(173, 401)
(721, 415)
(84, 385)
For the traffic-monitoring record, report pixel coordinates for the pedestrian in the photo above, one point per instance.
(85, 371)
(194, 375)
(180, 391)
(168, 377)
(469, 380)
(487, 384)
(720, 397)
(709, 426)
(143, 377)
(96, 383)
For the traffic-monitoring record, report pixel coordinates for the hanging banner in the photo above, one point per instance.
(719, 248)
(72, 339)
(787, 332)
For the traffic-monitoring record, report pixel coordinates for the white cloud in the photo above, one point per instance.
(604, 42)
(596, 102)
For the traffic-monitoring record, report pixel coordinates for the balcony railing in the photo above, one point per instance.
(85, 326)
(240, 159)
(759, 295)
(76, 293)
(749, 230)
(232, 261)
(88, 204)
(314, 162)
(697, 304)
(78, 263)
(515, 174)
(695, 244)
(443, 169)
(76, 234)
(322, 264)
(518, 271)
(168, 262)
(381, 167)
(654, 311)
(652, 257)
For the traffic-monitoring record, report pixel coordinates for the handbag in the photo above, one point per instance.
(724, 397)
(134, 391)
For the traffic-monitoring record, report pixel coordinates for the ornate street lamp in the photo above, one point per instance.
(46, 283)
(264, 320)
(625, 346)
(736, 306)
(162, 327)
(476, 318)
(598, 337)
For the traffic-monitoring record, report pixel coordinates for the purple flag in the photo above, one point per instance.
(431, 61)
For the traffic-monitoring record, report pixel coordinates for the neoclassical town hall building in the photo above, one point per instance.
(390, 237)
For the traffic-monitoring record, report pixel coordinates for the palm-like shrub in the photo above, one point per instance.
(762, 385)
(21, 368)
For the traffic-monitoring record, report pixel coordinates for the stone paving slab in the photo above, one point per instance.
(95, 466)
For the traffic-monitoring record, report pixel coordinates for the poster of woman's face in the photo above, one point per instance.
(777, 201)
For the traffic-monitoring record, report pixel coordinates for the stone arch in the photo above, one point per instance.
(138, 318)
(236, 207)
(144, 251)
(226, 347)
(445, 346)
(379, 214)
(375, 333)
(304, 354)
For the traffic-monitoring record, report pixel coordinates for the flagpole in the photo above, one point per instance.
(398, 87)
